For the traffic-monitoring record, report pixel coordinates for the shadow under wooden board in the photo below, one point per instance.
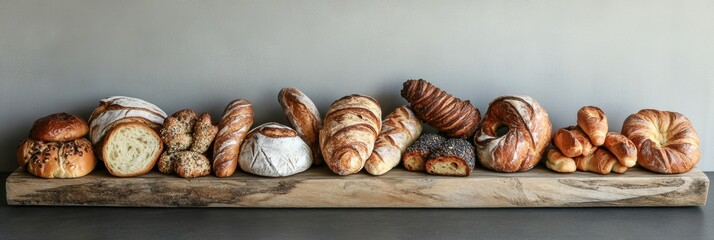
(318, 187)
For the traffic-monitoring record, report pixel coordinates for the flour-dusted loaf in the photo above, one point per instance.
(234, 125)
(130, 149)
(456, 157)
(304, 117)
(399, 129)
(349, 131)
(416, 155)
(513, 135)
(119, 109)
(274, 150)
(68, 159)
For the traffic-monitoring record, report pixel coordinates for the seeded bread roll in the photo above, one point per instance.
(448, 114)
(204, 132)
(116, 110)
(234, 125)
(130, 149)
(69, 159)
(558, 162)
(622, 148)
(349, 131)
(189, 164)
(593, 121)
(399, 129)
(176, 132)
(456, 157)
(415, 156)
(59, 127)
(274, 150)
(304, 117)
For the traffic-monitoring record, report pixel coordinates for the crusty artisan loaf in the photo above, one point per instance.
(666, 141)
(601, 161)
(593, 121)
(558, 162)
(274, 150)
(622, 148)
(68, 159)
(416, 155)
(456, 157)
(349, 130)
(115, 110)
(573, 142)
(441, 110)
(513, 135)
(234, 125)
(59, 127)
(130, 149)
(399, 129)
(304, 117)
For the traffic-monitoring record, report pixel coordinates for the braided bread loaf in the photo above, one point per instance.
(441, 110)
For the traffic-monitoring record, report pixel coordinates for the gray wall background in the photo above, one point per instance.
(623, 56)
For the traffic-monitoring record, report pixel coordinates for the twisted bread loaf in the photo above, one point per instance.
(520, 146)
(666, 141)
(441, 110)
(349, 131)
(234, 125)
(399, 129)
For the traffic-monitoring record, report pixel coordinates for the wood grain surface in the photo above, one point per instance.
(318, 187)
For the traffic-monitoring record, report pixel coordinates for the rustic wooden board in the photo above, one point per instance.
(318, 187)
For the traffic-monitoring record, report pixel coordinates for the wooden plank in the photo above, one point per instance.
(318, 187)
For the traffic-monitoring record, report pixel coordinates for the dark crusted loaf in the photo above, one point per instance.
(415, 156)
(456, 157)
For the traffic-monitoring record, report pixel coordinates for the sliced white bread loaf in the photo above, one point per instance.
(130, 149)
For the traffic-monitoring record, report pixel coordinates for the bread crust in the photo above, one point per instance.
(622, 147)
(399, 130)
(69, 159)
(303, 115)
(232, 129)
(558, 162)
(666, 141)
(446, 113)
(593, 121)
(521, 147)
(455, 157)
(59, 127)
(152, 160)
(349, 132)
(116, 110)
(416, 155)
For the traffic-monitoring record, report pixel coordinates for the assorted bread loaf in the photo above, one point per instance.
(131, 135)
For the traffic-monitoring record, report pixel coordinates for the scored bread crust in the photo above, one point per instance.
(119, 109)
(150, 162)
(303, 115)
(69, 159)
(593, 121)
(521, 148)
(399, 129)
(349, 131)
(59, 127)
(234, 125)
(666, 141)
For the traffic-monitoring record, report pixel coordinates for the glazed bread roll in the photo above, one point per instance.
(666, 141)
(130, 149)
(416, 155)
(573, 142)
(593, 122)
(234, 125)
(274, 150)
(304, 117)
(620, 146)
(513, 135)
(601, 161)
(68, 159)
(558, 162)
(441, 110)
(456, 157)
(349, 131)
(116, 110)
(399, 129)
(59, 127)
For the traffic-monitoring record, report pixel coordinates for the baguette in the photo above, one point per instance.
(234, 125)
(399, 129)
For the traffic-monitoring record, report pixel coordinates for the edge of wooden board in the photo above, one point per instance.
(318, 187)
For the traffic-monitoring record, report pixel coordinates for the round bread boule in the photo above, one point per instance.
(59, 127)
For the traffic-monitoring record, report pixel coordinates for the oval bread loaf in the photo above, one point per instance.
(399, 130)
(234, 125)
(304, 117)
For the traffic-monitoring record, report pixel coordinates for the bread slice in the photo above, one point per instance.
(455, 157)
(130, 149)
